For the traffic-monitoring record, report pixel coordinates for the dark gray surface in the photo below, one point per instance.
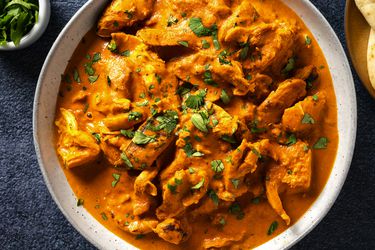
(29, 219)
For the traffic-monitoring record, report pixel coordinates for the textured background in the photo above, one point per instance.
(29, 219)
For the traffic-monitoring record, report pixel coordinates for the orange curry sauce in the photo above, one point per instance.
(92, 182)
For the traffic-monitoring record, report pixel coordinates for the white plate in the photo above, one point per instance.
(44, 114)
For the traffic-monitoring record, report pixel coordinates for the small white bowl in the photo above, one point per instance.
(36, 32)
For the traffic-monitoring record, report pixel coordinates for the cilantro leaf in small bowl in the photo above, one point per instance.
(22, 22)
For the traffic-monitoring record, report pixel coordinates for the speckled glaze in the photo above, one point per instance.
(45, 105)
(37, 31)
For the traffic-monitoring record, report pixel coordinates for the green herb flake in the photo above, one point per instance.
(272, 228)
(93, 79)
(89, 69)
(235, 182)
(158, 78)
(197, 138)
(225, 98)
(139, 236)
(183, 14)
(199, 122)
(85, 108)
(116, 178)
(171, 21)
(198, 28)
(80, 202)
(307, 119)
(142, 139)
(308, 40)
(315, 97)
(197, 154)
(213, 196)
(290, 66)
(207, 77)
(112, 46)
(126, 160)
(172, 188)
(188, 149)
(104, 216)
(321, 143)
(223, 58)
(198, 185)
(222, 221)
(125, 53)
(97, 57)
(127, 133)
(217, 166)
(184, 43)
(129, 13)
(191, 170)
(255, 200)
(244, 53)
(76, 77)
(196, 101)
(292, 139)
(205, 44)
(142, 104)
(134, 116)
(97, 137)
(229, 139)
(235, 209)
(256, 152)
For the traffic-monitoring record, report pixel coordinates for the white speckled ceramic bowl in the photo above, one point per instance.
(37, 31)
(44, 113)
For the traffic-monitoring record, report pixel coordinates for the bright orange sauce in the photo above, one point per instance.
(93, 182)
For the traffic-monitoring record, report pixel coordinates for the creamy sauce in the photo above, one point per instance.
(92, 183)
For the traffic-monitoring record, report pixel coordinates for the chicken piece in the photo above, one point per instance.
(141, 72)
(210, 13)
(234, 27)
(170, 36)
(226, 124)
(143, 226)
(173, 230)
(276, 47)
(291, 172)
(76, 147)
(125, 120)
(204, 69)
(263, 84)
(151, 139)
(144, 191)
(110, 145)
(287, 93)
(181, 191)
(121, 14)
(179, 162)
(304, 116)
(221, 242)
(243, 161)
(308, 73)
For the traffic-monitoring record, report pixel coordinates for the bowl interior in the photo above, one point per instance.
(44, 113)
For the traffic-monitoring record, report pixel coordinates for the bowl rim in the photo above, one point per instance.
(37, 30)
(267, 245)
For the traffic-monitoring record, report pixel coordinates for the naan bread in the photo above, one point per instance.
(367, 7)
(371, 57)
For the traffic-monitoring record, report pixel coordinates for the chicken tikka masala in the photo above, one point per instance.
(185, 124)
